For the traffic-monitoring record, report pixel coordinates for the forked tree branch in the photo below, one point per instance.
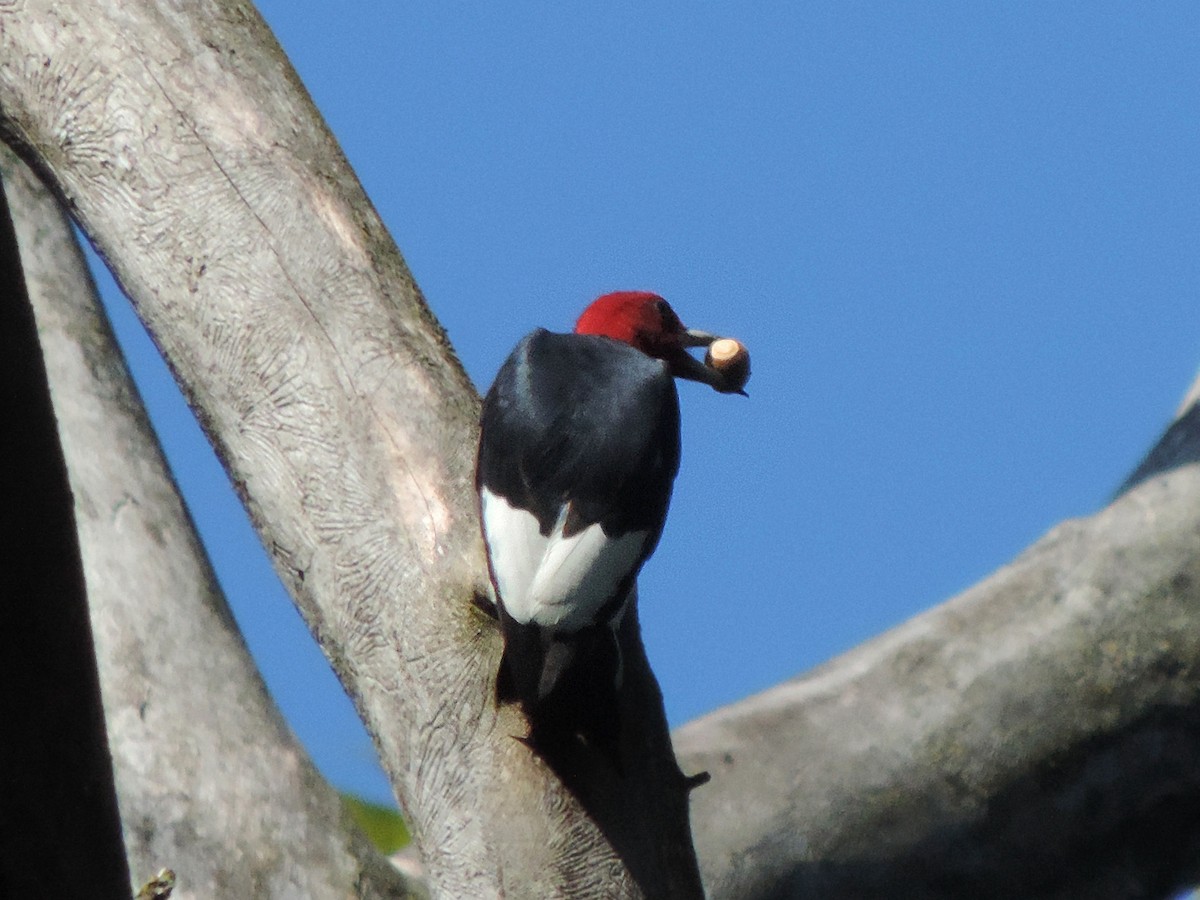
(1033, 737)
(183, 144)
(211, 783)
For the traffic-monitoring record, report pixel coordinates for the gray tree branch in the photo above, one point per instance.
(183, 144)
(211, 783)
(1034, 737)
(60, 833)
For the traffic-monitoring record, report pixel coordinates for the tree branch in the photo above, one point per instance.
(1034, 737)
(183, 144)
(209, 778)
(60, 834)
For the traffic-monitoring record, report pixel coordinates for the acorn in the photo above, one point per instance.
(731, 359)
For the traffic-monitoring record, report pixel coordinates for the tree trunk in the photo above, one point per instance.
(185, 147)
(210, 781)
(60, 835)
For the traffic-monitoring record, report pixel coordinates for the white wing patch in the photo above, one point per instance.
(515, 547)
(554, 581)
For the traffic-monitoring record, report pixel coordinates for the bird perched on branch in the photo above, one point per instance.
(578, 450)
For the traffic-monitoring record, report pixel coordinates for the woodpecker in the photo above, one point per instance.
(578, 450)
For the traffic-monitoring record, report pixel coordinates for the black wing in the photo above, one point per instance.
(586, 420)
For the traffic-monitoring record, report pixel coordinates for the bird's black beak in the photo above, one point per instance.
(693, 337)
(684, 365)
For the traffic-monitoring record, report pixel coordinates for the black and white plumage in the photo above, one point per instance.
(579, 447)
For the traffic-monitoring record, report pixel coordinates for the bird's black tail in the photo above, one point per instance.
(566, 684)
(521, 663)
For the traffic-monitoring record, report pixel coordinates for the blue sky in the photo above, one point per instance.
(959, 240)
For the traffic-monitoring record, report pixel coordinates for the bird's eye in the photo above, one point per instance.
(670, 321)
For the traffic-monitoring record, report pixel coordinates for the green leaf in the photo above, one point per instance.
(382, 824)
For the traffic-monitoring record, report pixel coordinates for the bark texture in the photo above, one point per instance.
(210, 781)
(181, 141)
(1034, 737)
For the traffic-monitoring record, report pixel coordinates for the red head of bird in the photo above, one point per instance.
(646, 321)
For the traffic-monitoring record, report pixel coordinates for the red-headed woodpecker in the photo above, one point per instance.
(578, 451)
